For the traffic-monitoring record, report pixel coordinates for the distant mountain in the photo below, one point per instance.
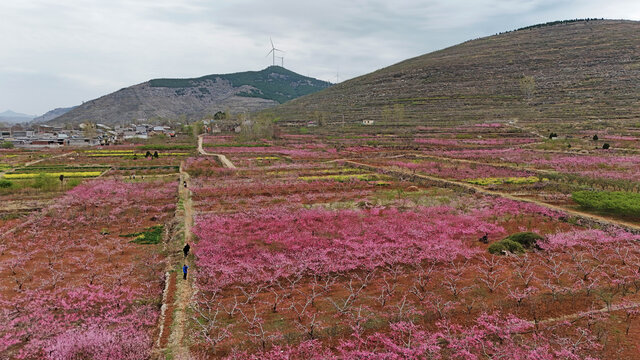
(52, 114)
(12, 117)
(191, 99)
(549, 75)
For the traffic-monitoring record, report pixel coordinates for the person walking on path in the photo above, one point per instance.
(186, 249)
(185, 268)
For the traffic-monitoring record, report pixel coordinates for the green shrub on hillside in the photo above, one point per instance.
(527, 239)
(506, 245)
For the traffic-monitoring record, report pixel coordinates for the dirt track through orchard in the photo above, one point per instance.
(178, 342)
(223, 159)
(589, 218)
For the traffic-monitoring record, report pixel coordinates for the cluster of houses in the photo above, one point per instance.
(38, 135)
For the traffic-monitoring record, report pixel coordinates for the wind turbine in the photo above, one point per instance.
(273, 52)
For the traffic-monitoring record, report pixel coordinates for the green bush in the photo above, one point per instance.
(527, 239)
(497, 248)
(6, 145)
(4, 183)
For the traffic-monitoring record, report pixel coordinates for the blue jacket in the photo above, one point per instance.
(184, 269)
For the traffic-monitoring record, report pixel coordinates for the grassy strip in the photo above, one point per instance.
(343, 178)
(38, 170)
(166, 147)
(234, 145)
(140, 155)
(149, 236)
(147, 167)
(616, 202)
(53, 175)
(109, 151)
(41, 182)
(505, 180)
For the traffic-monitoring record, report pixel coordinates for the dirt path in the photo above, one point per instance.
(223, 159)
(580, 315)
(478, 189)
(172, 338)
(53, 157)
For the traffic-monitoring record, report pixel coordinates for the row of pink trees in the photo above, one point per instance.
(266, 245)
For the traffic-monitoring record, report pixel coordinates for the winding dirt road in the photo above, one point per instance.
(223, 159)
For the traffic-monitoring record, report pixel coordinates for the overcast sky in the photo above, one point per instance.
(58, 53)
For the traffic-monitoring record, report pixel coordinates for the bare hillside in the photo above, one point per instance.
(581, 70)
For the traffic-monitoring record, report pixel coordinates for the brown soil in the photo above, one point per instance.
(168, 318)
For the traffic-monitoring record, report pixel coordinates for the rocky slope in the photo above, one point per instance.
(192, 99)
(52, 114)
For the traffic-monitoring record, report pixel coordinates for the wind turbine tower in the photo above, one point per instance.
(273, 53)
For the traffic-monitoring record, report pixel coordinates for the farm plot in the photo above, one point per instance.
(73, 284)
(523, 180)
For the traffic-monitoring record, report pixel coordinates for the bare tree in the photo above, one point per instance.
(209, 328)
(527, 86)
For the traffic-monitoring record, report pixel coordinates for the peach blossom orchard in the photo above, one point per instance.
(321, 247)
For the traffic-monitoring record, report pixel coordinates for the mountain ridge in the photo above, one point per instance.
(193, 98)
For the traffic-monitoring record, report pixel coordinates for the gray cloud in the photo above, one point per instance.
(60, 52)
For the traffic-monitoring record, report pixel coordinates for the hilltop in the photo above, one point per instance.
(11, 117)
(549, 73)
(191, 99)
